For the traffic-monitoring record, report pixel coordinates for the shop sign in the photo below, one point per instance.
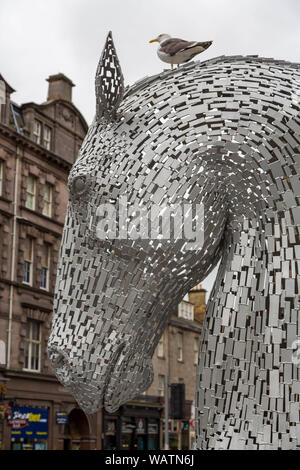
(17, 423)
(61, 417)
(126, 427)
(29, 422)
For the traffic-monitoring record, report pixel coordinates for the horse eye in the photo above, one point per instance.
(79, 185)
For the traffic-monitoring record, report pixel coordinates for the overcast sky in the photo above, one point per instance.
(42, 37)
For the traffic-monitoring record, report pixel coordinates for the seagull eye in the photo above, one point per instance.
(79, 185)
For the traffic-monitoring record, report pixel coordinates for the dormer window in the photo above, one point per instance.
(37, 131)
(47, 137)
(42, 134)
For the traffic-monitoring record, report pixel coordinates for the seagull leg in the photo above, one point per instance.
(177, 66)
(172, 65)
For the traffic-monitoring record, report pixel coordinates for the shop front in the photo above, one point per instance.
(29, 428)
(139, 433)
(133, 427)
(45, 416)
(178, 434)
(76, 431)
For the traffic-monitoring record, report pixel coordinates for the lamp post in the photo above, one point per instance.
(3, 389)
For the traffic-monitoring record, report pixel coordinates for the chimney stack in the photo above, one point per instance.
(197, 297)
(60, 87)
(5, 91)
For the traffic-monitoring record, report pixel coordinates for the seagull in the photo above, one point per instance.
(178, 51)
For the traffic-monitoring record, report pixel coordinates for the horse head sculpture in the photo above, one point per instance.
(223, 135)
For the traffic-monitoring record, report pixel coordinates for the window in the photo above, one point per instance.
(161, 385)
(33, 345)
(1, 178)
(186, 310)
(47, 137)
(180, 347)
(196, 350)
(160, 347)
(44, 284)
(30, 192)
(37, 131)
(28, 261)
(47, 200)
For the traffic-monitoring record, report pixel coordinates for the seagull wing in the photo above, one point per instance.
(174, 45)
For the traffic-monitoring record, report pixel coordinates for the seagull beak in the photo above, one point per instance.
(153, 40)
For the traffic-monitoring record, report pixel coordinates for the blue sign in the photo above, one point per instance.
(29, 422)
(61, 417)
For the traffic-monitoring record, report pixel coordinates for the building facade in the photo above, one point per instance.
(38, 145)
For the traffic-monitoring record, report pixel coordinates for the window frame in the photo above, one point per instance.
(47, 203)
(161, 347)
(37, 136)
(47, 142)
(47, 268)
(30, 341)
(29, 263)
(161, 390)
(186, 311)
(31, 194)
(179, 347)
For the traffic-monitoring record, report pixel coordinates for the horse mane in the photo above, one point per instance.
(146, 81)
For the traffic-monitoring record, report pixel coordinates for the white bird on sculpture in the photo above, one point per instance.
(178, 51)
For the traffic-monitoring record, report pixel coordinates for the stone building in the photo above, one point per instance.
(140, 423)
(38, 145)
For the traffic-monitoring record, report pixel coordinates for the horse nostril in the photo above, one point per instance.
(58, 358)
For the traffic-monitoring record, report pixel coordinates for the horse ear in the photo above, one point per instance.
(109, 82)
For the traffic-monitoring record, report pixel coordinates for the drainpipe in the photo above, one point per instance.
(13, 258)
(166, 413)
(167, 331)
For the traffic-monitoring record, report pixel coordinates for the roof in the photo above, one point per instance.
(17, 117)
(9, 88)
(51, 102)
(11, 132)
(192, 325)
